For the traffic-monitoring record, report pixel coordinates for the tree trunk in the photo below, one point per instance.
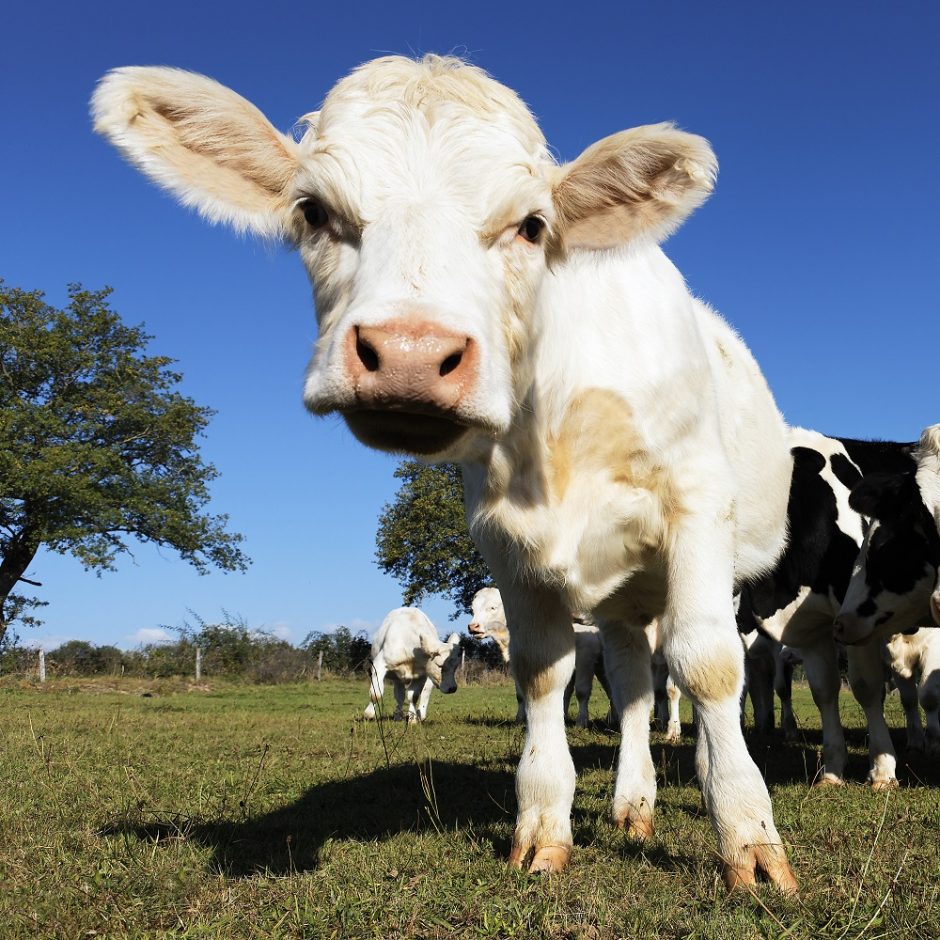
(18, 556)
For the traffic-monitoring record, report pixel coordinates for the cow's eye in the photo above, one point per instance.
(532, 228)
(315, 213)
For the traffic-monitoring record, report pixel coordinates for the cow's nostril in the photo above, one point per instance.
(450, 363)
(367, 355)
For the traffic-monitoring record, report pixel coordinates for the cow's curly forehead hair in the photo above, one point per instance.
(426, 85)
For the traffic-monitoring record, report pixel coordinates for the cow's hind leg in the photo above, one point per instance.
(628, 667)
(706, 658)
(542, 657)
(907, 690)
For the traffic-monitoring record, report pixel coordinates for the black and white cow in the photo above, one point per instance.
(798, 601)
(894, 586)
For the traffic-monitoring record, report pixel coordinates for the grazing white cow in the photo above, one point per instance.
(489, 622)
(408, 649)
(915, 662)
(479, 303)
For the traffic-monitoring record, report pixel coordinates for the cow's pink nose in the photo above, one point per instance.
(410, 365)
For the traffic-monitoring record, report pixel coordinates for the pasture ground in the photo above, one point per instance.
(132, 809)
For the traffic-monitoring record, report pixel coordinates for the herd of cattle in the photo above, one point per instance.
(622, 455)
(860, 567)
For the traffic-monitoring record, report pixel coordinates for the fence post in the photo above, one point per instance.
(42, 664)
(198, 663)
(319, 665)
(463, 663)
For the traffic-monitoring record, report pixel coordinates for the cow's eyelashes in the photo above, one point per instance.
(315, 213)
(531, 228)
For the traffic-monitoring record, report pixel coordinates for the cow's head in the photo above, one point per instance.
(442, 662)
(427, 210)
(897, 567)
(488, 616)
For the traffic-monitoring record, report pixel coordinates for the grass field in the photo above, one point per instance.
(148, 809)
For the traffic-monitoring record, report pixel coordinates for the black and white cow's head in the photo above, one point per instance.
(894, 586)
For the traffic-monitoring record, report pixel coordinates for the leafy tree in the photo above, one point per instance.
(422, 539)
(342, 651)
(96, 444)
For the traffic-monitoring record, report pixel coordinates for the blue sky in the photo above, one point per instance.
(820, 244)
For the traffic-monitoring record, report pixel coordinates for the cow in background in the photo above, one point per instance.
(798, 602)
(915, 664)
(769, 669)
(489, 622)
(408, 649)
(895, 585)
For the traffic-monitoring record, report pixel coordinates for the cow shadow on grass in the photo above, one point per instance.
(374, 806)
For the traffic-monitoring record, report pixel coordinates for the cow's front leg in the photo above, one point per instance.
(867, 680)
(629, 671)
(542, 657)
(706, 658)
(420, 695)
(821, 664)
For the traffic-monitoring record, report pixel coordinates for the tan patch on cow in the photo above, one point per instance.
(714, 676)
(598, 433)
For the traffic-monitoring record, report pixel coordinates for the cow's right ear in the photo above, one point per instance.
(884, 495)
(644, 181)
(210, 147)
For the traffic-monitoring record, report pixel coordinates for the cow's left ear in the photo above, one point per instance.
(644, 181)
(206, 144)
(429, 646)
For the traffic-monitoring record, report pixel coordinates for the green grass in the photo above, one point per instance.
(243, 811)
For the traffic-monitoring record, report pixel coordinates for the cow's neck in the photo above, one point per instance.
(576, 486)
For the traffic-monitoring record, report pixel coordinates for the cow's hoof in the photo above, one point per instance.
(890, 784)
(829, 780)
(549, 858)
(673, 735)
(769, 859)
(635, 820)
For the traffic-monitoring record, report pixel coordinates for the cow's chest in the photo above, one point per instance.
(587, 509)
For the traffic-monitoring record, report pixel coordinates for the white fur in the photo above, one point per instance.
(408, 649)
(428, 169)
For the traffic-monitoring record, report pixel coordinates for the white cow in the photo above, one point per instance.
(915, 663)
(479, 303)
(489, 622)
(408, 649)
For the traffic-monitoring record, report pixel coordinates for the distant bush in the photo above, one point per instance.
(80, 658)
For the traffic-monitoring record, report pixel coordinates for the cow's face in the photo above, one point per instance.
(489, 618)
(427, 211)
(897, 567)
(442, 664)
